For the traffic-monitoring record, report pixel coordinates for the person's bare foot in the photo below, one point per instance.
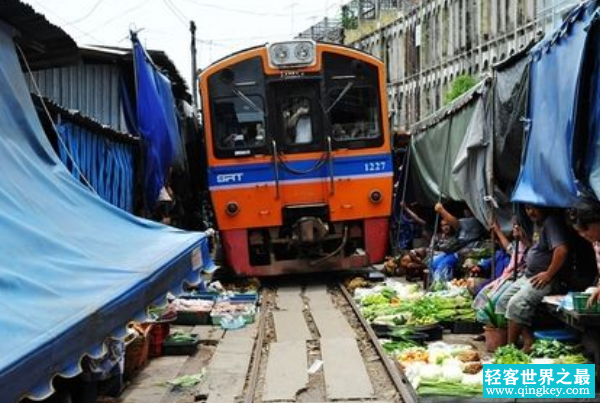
(527, 348)
(479, 337)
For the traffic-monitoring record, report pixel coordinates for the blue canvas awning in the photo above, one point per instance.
(547, 177)
(73, 268)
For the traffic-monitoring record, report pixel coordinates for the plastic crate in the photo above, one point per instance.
(580, 303)
(181, 347)
(467, 327)
(192, 318)
(207, 296)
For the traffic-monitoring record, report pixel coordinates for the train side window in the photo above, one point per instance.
(239, 125)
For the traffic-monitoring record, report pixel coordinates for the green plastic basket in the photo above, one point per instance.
(580, 303)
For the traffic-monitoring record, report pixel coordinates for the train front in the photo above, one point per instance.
(299, 162)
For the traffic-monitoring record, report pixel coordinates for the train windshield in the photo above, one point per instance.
(352, 102)
(238, 110)
(355, 115)
(239, 124)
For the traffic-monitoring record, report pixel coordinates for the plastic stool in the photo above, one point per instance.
(567, 336)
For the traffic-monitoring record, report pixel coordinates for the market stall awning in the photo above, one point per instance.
(435, 145)
(74, 269)
(547, 177)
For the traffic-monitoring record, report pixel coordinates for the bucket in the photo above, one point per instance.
(495, 337)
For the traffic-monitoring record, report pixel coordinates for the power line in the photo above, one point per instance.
(89, 13)
(175, 12)
(121, 15)
(82, 32)
(248, 11)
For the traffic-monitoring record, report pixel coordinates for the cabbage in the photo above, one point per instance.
(452, 373)
(452, 362)
(473, 380)
(430, 372)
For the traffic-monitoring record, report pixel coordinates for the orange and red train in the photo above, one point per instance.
(299, 157)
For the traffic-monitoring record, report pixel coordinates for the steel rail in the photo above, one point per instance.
(398, 378)
(257, 354)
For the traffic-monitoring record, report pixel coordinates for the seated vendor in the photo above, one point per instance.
(516, 249)
(585, 219)
(468, 227)
(416, 260)
(544, 260)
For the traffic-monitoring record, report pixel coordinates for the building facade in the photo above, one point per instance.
(426, 45)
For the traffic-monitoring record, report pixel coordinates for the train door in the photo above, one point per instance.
(299, 142)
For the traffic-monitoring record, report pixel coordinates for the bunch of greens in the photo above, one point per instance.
(445, 388)
(551, 349)
(187, 381)
(510, 355)
(374, 299)
(395, 347)
(572, 359)
(180, 337)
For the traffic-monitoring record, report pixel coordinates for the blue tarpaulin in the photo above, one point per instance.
(590, 109)
(73, 268)
(157, 123)
(547, 177)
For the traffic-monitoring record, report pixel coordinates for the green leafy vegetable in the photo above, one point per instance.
(572, 359)
(551, 349)
(510, 355)
(187, 381)
(443, 388)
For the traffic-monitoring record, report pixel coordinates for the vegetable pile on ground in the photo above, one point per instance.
(543, 352)
(443, 370)
(396, 304)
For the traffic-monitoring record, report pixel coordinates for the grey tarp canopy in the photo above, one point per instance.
(435, 145)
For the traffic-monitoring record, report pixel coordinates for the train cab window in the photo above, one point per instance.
(297, 122)
(239, 125)
(297, 116)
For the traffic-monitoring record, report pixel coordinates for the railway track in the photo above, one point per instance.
(308, 344)
(312, 345)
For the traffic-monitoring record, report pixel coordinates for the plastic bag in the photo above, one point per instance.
(231, 322)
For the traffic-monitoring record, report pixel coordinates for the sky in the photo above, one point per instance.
(223, 27)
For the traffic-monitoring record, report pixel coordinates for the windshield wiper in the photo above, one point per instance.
(342, 94)
(247, 100)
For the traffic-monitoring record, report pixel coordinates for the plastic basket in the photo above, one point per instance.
(192, 318)
(157, 336)
(181, 347)
(580, 303)
(136, 352)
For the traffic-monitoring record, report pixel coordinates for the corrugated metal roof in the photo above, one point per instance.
(90, 88)
(44, 44)
(160, 59)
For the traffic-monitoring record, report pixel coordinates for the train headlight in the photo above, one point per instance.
(297, 53)
(280, 53)
(303, 52)
(232, 208)
(376, 196)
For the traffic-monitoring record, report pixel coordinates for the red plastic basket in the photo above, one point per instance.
(157, 336)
